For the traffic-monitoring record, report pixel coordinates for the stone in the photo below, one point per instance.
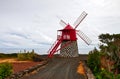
(70, 49)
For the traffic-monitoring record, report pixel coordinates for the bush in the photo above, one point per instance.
(22, 56)
(94, 61)
(94, 64)
(5, 70)
(104, 74)
(117, 76)
(28, 56)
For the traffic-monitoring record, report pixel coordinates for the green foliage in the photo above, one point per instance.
(22, 56)
(5, 70)
(110, 47)
(117, 76)
(13, 55)
(94, 61)
(26, 55)
(107, 38)
(104, 74)
(94, 64)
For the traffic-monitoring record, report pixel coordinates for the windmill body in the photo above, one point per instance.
(67, 39)
(68, 36)
(68, 33)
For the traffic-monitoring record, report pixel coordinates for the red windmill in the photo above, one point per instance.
(66, 39)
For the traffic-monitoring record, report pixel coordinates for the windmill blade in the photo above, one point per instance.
(84, 37)
(80, 19)
(62, 23)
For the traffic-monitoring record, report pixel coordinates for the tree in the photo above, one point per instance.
(111, 47)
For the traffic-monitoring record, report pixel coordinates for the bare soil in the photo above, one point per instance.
(19, 65)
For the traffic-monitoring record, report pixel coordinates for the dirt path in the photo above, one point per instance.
(59, 68)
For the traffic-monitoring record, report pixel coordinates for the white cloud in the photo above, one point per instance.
(33, 23)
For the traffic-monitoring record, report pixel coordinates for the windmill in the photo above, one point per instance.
(67, 39)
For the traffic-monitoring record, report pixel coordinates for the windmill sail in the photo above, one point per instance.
(84, 37)
(68, 46)
(80, 19)
(62, 23)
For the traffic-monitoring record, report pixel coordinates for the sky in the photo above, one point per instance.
(34, 23)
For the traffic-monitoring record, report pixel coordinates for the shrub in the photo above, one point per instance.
(94, 61)
(94, 64)
(5, 70)
(104, 74)
(22, 56)
(28, 56)
(117, 76)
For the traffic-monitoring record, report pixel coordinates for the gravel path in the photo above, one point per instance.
(59, 68)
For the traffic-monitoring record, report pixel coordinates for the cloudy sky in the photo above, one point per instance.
(34, 23)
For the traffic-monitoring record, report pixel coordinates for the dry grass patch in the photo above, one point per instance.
(81, 69)
(11, 60)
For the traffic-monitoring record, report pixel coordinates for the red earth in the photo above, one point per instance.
(20, 66)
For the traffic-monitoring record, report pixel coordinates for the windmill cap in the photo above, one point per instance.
(68, 27)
